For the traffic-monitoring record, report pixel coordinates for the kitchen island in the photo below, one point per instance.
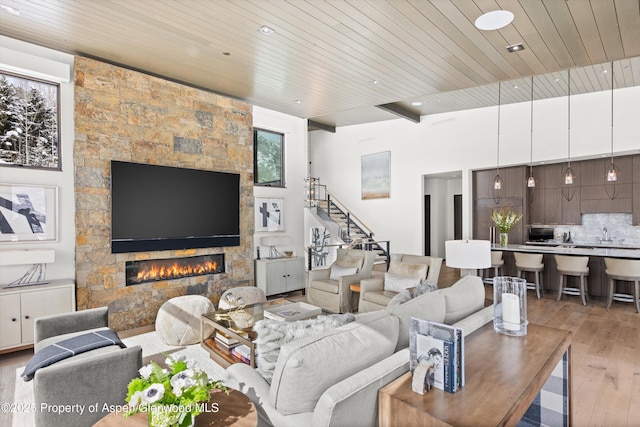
(597, 280)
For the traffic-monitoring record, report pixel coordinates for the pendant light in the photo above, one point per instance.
(613, 173)
(531, 181)
(498, 182)
(569, 176)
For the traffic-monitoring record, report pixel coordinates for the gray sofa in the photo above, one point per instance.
(332, 379)
(97, 377)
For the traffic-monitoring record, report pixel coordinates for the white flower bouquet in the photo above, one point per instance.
(505, 219)
(172, 397)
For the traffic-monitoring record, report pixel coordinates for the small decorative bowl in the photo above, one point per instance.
(288, 253)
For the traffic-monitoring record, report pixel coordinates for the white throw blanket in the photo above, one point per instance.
(273, 334)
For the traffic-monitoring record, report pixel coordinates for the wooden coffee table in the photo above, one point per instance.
(234, 409)
(504, 374)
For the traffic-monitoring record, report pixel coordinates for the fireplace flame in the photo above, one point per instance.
(175, 271)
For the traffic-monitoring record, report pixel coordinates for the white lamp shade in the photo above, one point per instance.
(27, 256)
(468, 254)
(274, 240)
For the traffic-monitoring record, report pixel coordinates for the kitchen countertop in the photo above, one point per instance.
(582, 244)
(572, 249)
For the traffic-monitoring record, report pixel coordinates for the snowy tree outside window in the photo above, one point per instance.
(29, 123)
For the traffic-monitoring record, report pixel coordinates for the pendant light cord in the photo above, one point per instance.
(612, 82)
(531, 144)
(498, 153)
(569, 117)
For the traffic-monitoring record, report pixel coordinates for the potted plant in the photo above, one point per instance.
(505, 219)
(171, 396)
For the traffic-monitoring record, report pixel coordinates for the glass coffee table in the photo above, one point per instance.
(230, 328)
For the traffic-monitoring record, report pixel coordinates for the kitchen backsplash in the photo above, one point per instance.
(619, 229)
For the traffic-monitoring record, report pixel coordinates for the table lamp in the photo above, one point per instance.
(36, 275)
(468, 255)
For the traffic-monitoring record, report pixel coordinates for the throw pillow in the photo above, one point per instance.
(408, 270)
(406, 295)
(399, 283)
(273, 334)
(400, 298)
(423, 288)
(349, 261)
(337, 271)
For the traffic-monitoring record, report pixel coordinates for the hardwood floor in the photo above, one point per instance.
(605, 353)
(605, 357)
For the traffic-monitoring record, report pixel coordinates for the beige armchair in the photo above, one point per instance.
(373, 295)
(329, 287)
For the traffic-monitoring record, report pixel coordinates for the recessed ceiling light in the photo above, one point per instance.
(516, 86)
(416, 103)
(494, 20)
(375, 82)
(10, 9)
(515, 47)
(297, 101)
(266, 30)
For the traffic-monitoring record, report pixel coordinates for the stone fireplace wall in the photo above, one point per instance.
(126, 115)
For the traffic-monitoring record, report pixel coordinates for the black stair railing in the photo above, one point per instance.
(353, 231)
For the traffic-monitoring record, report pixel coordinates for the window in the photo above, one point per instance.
(268, 158)
(29, 122)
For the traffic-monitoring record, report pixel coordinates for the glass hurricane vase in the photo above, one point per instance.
(504, 239)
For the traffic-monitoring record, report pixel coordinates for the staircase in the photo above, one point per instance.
(353, 232)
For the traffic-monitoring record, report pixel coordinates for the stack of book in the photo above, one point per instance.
(227, 341)
(242, 352)
(436, 356)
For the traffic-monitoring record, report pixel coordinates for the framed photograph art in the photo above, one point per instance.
(28, 213)
(269, 214)
(30, 125)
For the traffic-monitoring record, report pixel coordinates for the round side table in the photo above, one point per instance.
(234, 409)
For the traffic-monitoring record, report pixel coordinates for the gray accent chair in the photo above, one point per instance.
(374, 297)
(97, 377)
(334, 295)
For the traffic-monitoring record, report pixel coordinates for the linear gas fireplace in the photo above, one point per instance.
(174, 268)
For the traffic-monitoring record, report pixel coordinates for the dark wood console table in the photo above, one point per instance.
(504, 375)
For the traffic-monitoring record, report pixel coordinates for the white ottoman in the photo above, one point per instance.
(178, 320)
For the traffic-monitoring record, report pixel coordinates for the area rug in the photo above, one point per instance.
(19, 394)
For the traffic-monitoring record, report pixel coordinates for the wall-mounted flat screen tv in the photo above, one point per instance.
(157, 208)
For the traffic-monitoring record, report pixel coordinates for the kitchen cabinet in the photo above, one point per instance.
(280, 275)
(636, 189)
(20, 306)
(484, 202)
(547, 206)
(594, 197)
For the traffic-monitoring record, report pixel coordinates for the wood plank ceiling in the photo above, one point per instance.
(323, 57)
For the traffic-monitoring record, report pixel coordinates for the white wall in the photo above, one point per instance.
(295, 143)
(34, 61)
(463, 141)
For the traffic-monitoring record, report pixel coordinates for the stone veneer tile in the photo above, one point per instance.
(125, 115)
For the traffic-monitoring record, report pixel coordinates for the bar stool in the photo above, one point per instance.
(575, 266)
(530, 263)
(497, 263)
(626, 270)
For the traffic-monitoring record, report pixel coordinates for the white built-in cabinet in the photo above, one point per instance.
(280, 275)
(20, 306)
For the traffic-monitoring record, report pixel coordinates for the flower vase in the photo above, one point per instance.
(504, 239)
(168, 416)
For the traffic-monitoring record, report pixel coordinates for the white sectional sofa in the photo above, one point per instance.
(332, 379)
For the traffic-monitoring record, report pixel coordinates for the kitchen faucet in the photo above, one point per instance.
(605, 234)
